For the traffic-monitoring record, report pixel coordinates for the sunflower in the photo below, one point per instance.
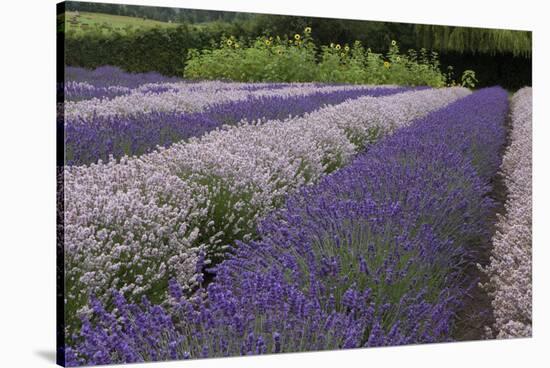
(394, 43)
(386, 64)
(229, 42)
(331, 45)
(307, 30)
(346, 48)
(337, 46)
(297, 37)
(267, 42)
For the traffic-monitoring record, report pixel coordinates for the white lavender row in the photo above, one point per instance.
(75, 91)
(125, 225)
(182, 97)
(510, 270)
(133, 225)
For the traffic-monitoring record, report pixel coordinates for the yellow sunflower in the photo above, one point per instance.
(297, 37)
(307, 30)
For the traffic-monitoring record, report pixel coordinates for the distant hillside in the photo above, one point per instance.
(84, 21)
(175, 15)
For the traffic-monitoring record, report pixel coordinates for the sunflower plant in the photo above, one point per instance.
(296, 58)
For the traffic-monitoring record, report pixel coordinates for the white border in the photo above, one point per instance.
(27, 193)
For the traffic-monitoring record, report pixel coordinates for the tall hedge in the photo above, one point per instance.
(158, 49)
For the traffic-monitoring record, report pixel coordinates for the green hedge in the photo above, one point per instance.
(158, 49)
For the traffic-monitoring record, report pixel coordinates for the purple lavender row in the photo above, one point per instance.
(105, 82)
(97, 138)
(106, 76)
(373, 255)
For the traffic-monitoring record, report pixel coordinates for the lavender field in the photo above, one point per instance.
(207, 219)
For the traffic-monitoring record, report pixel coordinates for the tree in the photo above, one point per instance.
(474, 40)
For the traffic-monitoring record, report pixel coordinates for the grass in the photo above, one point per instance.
(108, 23)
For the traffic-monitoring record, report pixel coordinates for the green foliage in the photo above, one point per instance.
(82, 22)
(468, 79)
(298, 59)
(144, 45)
(162, 14)
(161, 49)
(474, 40)
(265, 59)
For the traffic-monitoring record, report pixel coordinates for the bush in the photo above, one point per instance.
(265, 59)
(300, 60)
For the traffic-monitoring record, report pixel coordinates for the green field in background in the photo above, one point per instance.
(85, 21)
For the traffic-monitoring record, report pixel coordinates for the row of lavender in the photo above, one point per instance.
(510, 270)
(110, 81)
(374, 254)
(115, 128)
(104, 82)
(80, 91)
(184, 97)
(107, 82)
(134, 224)
(107, 75)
